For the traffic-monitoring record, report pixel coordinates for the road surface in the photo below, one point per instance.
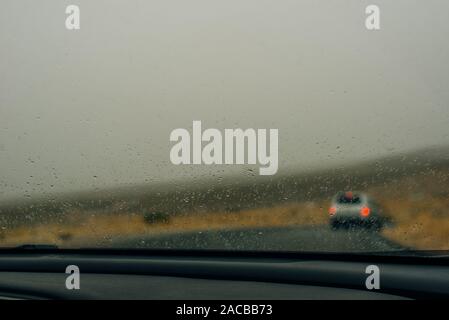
(321, 238)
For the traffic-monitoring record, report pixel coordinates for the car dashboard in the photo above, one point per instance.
(217, 276)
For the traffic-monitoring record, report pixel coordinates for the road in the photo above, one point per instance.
(320, 238)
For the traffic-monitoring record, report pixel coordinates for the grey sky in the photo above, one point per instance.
(95, 107)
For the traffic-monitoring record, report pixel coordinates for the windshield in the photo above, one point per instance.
(229, 125)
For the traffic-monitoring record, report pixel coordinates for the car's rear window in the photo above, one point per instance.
(348, 198)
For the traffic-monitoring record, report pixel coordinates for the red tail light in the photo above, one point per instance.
(332, 211)
(365, 212)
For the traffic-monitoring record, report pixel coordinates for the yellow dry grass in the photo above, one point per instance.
(419, 226)
(419, 209)
(93, 230)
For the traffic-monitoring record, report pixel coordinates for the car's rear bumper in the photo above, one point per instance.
(360, 221)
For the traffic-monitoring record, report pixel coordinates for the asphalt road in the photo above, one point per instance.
(321, 238)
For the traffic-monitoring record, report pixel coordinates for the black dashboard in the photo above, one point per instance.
(216, 276)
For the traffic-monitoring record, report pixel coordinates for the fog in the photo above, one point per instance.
(94, 108)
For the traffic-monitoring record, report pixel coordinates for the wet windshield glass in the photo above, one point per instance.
(234, 125)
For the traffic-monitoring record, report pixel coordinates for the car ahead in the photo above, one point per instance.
(355, 209)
